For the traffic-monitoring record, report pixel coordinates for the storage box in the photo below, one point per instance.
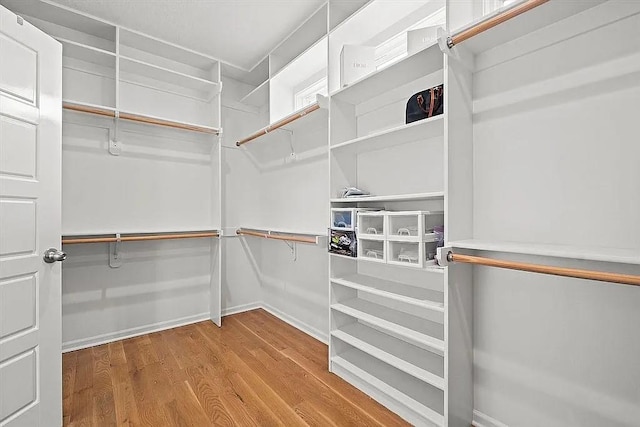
(343, 219)
(421, 38)
(355, 63)
(405, 253)
(413, 226)
(343, 242)
(371, 225)
(372, 250)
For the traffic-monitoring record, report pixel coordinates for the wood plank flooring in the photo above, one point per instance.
(254, 371)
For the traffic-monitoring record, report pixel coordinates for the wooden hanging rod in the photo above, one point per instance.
(71, 240)
(283, 122)
(493, 21)
(601, 276)
(277, 235)
(139, 118)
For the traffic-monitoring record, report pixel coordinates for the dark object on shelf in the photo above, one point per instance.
(343, 242)
(425, 104)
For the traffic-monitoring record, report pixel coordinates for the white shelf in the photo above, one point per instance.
(412, 329)
(614, 255)
(87, 53)
(533, 20)
(430, 268)
(258, 97)
(405, 357)
(421, 297)
(391, 198)
(412, 67)
(144, 69)
(420, 130)
(351, 366)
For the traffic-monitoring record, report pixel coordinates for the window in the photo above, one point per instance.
(490, 6)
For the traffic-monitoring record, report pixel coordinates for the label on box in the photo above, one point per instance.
(355, 63)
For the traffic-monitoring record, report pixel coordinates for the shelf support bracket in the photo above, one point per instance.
(115, 260)
(294, 249)
(115, 146)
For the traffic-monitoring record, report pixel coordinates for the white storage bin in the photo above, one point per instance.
(413, 226)
(372, 250)
(405, 253)
(343, 219)
(371, 225)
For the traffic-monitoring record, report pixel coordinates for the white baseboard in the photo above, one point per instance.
(309, 330)
(160, 326)
(132, 332)
(240, 308)
(483, 420)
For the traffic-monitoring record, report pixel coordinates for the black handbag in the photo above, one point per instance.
(425, 104)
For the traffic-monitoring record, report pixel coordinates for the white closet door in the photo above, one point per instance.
(30, 195)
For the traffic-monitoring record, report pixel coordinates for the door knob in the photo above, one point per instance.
(52, 255)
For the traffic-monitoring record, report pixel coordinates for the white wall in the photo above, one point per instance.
(162, 181)
(559, 169)
(241, 288)
(264, 191)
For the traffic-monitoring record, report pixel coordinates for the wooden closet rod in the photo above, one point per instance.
(139, 118)
(283, 122)
(491, 22)
(138, 237)
(277, 235)
(601, 276)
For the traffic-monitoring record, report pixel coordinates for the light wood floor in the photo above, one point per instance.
(254, 371)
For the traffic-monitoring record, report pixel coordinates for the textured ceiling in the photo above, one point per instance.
(240, 32)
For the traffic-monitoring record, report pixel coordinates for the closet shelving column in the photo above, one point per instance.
(389, 321)
(130, 84)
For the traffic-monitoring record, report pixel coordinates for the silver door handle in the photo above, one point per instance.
(52, 255)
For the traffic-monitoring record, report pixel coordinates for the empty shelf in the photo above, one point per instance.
(155, 72)
(413, 329)
(420, 130)
(398, 392)
(87, 53)
(431, 300)
(408, 358)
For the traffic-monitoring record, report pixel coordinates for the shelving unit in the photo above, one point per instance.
(391, 319)
(114, 77)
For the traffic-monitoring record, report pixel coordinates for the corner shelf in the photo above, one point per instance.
(583, 253)
(258, 97)
(87, 53)
(155, 72)
(391, 198)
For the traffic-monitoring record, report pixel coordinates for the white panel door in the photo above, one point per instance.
(30, 195)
